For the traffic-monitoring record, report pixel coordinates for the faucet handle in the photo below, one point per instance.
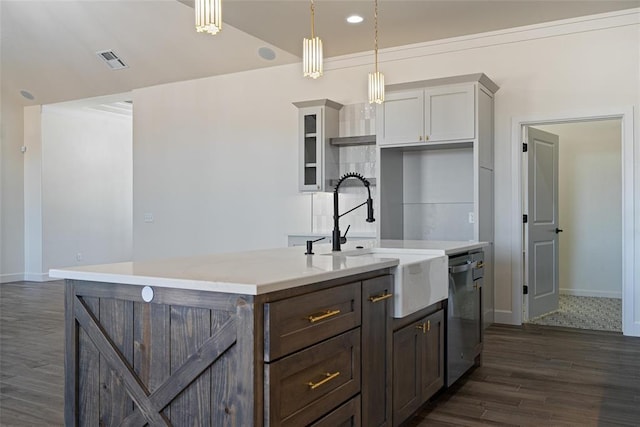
(343, 238)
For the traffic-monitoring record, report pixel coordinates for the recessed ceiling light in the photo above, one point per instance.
(355, 19)
(27, 95)
(267, 53)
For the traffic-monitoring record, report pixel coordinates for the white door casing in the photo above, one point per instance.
(541, 229)
(630, 205)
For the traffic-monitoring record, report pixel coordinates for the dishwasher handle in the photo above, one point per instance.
(463, 267)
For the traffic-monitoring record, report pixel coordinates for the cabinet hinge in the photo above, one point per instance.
(525, 218)
(525, 290)
(525, 147)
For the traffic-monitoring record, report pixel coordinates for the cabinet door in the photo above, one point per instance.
(406, 372)
(432, 355)
(449, 113)
(376, 351)
(311, 140)
(401, 118)
(346, 415)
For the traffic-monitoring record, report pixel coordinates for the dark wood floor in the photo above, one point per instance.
(31, 354)
(532, 376)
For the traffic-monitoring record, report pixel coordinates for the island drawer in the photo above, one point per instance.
(298, 322)
(346, 415)
(304, 386)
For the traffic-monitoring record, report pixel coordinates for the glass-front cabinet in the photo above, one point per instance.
(319, 160)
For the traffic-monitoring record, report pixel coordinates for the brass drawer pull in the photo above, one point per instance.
(424, 327)
(328, 377)
(480, 264)
(317, 317)
(380, 297)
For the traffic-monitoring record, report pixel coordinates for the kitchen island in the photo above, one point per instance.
(256, 338)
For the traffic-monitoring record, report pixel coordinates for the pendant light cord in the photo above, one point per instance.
(313, 20)
(375, 19)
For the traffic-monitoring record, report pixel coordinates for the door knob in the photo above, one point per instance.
(558, 230)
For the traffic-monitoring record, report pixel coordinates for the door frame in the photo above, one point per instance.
(630, 157)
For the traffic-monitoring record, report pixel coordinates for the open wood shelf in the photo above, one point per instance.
(353, 140)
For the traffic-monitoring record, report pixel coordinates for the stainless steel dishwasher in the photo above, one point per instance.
(464, 314)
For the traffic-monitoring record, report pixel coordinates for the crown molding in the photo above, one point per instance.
(627, 17)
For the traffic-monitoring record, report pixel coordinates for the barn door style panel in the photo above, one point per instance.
(172, 361)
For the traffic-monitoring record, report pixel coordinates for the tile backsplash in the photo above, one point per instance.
(355, 120)
(348, 198)
(358, 158)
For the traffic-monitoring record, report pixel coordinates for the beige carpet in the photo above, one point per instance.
(600, 314)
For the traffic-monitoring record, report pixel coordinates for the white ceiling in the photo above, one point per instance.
(48, 48)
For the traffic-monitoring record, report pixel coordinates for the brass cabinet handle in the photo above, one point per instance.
(327, 377)
(424, 327)
(480, 264)
(321, 316)
(420, 138)
(426, 137)
(380, 297)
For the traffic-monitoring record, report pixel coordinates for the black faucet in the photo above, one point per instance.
(337, 238)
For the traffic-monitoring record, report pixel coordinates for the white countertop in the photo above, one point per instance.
(255, 272)
(443, 247)
(350, 235)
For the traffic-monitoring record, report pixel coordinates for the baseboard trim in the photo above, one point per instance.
(37, 277)
(591, 293)
(504, 317)
(14, 277)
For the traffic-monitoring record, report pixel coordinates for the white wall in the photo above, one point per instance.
(78, 187)
(86, 187)
(215, 163)
(33, 237)
(590, 190)
(11, 190)
(215, 159)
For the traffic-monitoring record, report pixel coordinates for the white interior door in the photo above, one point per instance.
(541, 229)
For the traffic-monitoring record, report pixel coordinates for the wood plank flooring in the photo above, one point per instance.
(31, 354)
(531, 376)
(545, 376)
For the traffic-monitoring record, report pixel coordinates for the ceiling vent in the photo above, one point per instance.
(112, 60)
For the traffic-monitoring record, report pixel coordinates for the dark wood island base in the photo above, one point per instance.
(311, 355)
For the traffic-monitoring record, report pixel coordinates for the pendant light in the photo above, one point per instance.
(376, 79)
(312, 51)
(208, 16)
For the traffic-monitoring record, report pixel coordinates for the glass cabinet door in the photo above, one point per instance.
(318, 159)
(311, 152)
(311, 149)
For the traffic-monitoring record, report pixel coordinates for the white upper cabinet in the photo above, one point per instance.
(401, 118)
(318, 160)
(432, 114)
(449, 113)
